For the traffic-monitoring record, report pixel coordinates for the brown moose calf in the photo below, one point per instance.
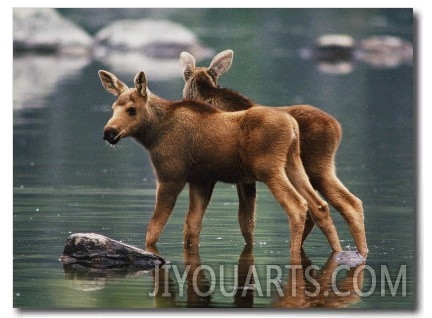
(196, 143)
(320, 135)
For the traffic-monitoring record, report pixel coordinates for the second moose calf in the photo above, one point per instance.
(320, 135)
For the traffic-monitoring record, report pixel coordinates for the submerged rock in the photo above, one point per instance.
(349, 258)
(44, 30)
(100, 252)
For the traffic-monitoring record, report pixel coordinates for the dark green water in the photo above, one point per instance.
(67, 180)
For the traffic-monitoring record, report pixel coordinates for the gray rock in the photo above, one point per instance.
(98, 251)
(154, 38)
(124, 45)
(337, 53)
(44, 30)
(349, 258)
(385, 51)
(151, 45)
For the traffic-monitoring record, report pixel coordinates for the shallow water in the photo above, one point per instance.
(67, 180)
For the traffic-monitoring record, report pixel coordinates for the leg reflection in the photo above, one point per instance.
(244, 297)
(333, 286)
(198, 286)
(164, 287)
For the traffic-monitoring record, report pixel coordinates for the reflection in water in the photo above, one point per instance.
(87, 278)
(32, 83)
(200, 287)
(244, 297)
(333, 286)
(309, 286)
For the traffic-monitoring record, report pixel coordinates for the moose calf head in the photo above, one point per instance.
(129, 109)
(202, 76)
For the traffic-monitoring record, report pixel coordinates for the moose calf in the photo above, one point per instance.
(320, 135)
(196, 143)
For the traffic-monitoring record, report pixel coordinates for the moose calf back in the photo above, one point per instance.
(221, 146)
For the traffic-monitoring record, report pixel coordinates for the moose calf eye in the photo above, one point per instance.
(131, 111)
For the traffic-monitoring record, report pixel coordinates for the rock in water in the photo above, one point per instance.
(151, 45)
(385, 51)
(98, 251)
(44, 30)
(153, 38)
(349, 258)
(337, 53)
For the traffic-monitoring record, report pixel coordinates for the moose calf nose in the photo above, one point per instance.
(110, 135)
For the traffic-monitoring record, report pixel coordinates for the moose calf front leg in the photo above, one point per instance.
(318, 208)
(166, 196)
(295, 207)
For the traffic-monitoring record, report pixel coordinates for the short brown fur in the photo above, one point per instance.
(320, 136)
(195, 143)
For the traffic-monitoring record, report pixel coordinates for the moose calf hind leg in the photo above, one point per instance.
(295, 207)
(309, 226)
(319, 211)
(246, 211)
(348, 205)
(199, 198)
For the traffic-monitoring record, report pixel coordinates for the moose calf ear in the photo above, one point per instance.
(221, 63)
(141, 83)
(187, 63)
(111, 83)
